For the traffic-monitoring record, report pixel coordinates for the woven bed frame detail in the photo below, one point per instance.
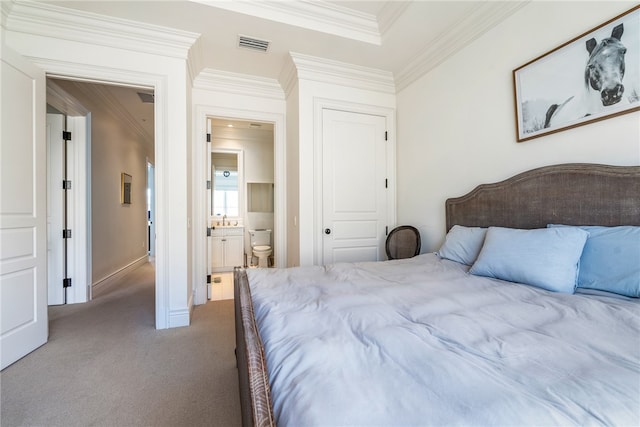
(255, 393)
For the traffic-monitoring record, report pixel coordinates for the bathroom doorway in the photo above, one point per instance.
(241, 165)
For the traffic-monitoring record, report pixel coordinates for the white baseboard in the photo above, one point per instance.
(103, 284)
(178, 318)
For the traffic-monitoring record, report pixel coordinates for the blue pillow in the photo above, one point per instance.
(543, 257)
(611, 260)
(462, 244)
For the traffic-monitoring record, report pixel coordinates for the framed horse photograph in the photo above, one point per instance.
(593, 77)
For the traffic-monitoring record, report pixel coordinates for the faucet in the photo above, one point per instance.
(224, 218)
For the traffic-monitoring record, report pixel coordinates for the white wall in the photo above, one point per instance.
(119, 231)
(456, 125)
(293, 179)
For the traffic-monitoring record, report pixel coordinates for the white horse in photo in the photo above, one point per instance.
(603, 86)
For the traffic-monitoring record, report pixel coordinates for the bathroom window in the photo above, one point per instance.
(225, 194)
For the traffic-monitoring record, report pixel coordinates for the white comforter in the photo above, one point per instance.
(421, 342)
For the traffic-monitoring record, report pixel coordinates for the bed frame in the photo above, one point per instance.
(576, 194)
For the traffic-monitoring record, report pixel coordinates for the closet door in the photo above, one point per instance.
(354, 202)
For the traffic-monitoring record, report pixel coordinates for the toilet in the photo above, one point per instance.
(261, 246)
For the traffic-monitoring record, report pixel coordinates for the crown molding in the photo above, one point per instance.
(317, 15)
(195, 60)
(103, 97)
(481, 19)
(389, 14)
(239, 84)
(288, 77)
(48, 20)
(5, 9)
(62, 101)
(340, 73)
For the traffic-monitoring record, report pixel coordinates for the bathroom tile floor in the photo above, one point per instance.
(221, 286)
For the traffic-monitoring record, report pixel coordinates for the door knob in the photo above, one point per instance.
(327, 231)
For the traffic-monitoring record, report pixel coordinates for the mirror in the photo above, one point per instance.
(260, 197)
(225, 184)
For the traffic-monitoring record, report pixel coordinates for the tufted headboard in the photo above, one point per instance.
(574, 193)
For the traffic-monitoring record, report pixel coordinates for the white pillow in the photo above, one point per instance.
(462, 244)
(544, 257)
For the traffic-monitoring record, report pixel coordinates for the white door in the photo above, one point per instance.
(23, 208)
(354, 186)
(55, 209)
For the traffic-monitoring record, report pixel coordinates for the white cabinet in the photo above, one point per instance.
(227, 248)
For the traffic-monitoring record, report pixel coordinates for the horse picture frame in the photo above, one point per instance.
(592, 77)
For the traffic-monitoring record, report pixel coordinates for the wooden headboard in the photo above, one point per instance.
(575, 194)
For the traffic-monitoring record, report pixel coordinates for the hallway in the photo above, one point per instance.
(106, 364)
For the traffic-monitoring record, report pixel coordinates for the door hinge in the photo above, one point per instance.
(66, 283)
(66, 185)
(208, 137)
(386, 183)
(208, 278)
(209, 185)
(208, 231)
(66, 233)
(66, 135)
(386, 135)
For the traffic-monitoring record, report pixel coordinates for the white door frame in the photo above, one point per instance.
(319, 104)
(90, 73)
(200, 173)
(55, 209)
(151, 187)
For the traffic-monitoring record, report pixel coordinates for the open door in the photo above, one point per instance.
(56, 210)
(23, 208)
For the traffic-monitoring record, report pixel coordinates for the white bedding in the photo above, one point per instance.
(421, 342)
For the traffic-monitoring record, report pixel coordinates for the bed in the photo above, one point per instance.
(461, 336)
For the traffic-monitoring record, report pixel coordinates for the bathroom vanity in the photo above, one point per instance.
(227, 247)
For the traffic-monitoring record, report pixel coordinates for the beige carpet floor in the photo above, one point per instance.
(106, 365)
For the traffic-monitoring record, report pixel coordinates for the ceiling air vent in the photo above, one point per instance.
(146, 98)
(253, 43)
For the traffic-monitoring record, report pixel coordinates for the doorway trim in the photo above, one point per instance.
(104, 75)
(151, 188)
(200, 173)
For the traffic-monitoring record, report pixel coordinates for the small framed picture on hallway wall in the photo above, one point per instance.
(125, 188)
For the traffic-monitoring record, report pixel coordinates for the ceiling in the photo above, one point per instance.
(395, 31)
(385, 35)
